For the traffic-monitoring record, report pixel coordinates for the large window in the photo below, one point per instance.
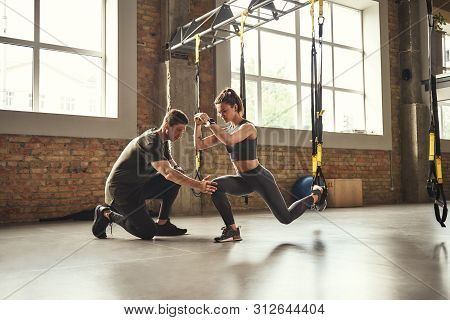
(59, 67)
(278, 62)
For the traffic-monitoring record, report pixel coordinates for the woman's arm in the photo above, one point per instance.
(203, 143)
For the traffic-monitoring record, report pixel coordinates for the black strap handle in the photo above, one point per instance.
(321, 21)
(243, 92)
(437, 213)
(430, 6)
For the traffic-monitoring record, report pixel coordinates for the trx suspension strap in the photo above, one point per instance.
(435, 182)
(199, 153)
(316, 105)
(242, 72)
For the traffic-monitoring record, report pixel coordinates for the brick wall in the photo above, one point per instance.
(288, 164)
(43, 177)
(148, 56)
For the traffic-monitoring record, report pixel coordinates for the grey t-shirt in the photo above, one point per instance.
(133, 167)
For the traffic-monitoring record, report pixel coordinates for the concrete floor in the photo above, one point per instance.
(383, 252)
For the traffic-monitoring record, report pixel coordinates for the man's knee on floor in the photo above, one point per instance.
(147, 235)
(143, 227)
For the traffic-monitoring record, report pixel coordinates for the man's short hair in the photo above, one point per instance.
(175, 116)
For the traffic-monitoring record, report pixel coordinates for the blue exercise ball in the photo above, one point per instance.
(302, 187)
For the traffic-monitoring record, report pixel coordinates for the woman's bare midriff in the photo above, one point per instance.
(244, 165)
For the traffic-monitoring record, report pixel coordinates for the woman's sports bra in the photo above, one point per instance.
(244, 150)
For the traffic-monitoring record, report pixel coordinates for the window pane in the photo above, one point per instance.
(72, 23)
(348, 69)
(70, 84)
(279, 105)
(286, 23)
(251, 91)
(16, 78)
(305, 59)
(16, 19)
(345, 19)
(278, 56)
(445, 120)
(305, 21)
(327, 105)
(349, 112)
(446, 52)
(250, 53)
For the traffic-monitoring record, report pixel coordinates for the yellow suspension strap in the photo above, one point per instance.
(199, 153)
(319, 110)
(316, 106)
(435, 181)
(244, 16)
(311, 12)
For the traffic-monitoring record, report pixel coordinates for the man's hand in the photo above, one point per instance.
(206, 186)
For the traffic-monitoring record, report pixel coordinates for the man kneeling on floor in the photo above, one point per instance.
(145, 170)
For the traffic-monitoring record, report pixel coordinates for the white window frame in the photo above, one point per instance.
(297, 137)
(121, 88)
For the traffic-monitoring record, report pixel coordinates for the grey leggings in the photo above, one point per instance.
(262, 181)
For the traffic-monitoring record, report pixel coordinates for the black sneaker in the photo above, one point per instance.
(229, 234)
(169, 229)
(100, 222)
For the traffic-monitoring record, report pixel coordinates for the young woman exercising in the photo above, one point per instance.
(240, 140)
